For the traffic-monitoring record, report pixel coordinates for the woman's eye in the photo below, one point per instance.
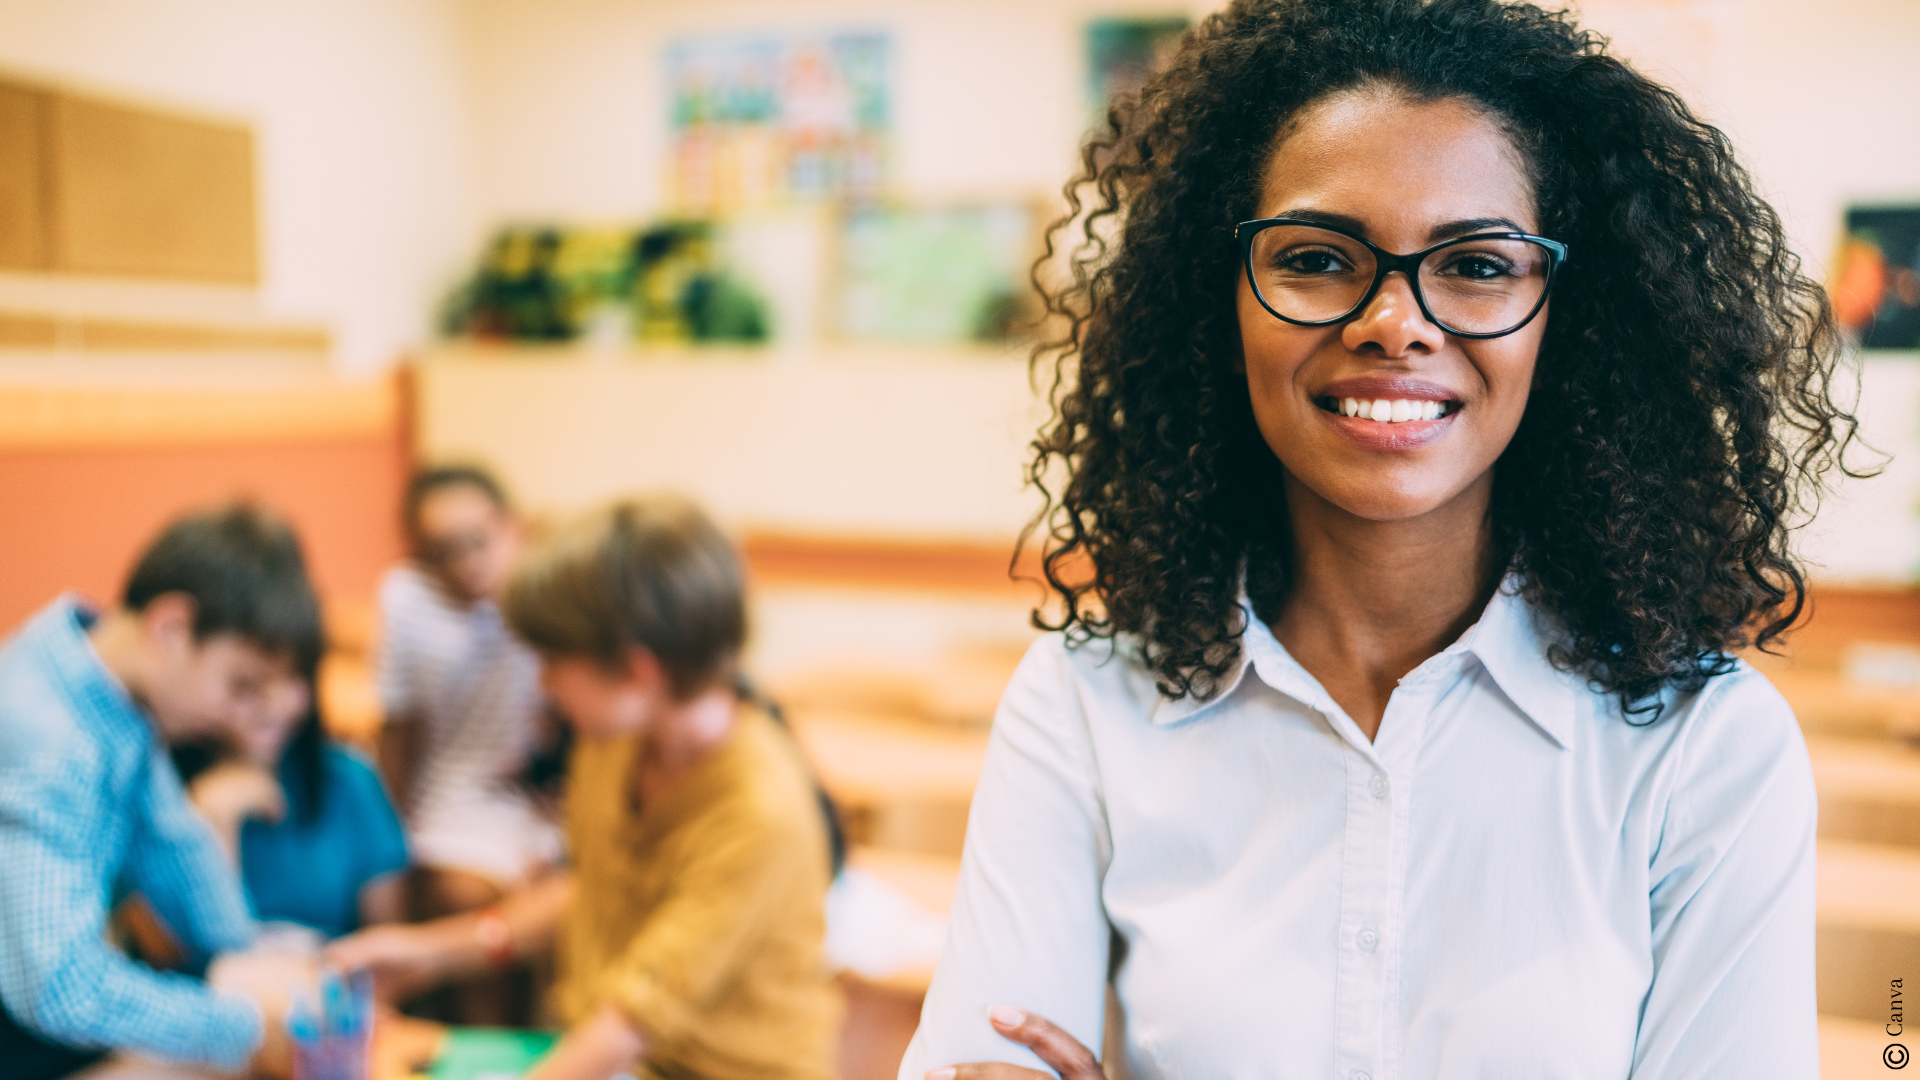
(1477, 267)
(1312, 262)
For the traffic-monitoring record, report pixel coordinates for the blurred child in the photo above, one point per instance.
(464, 713)
(690, 930)
(317, 839)
(214, 613)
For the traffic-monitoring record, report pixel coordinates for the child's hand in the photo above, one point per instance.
(402, 1045)
(404, 960)
(1038, 1034)
(270, 980)
(230, 793)
(234, 791)
(600, 1047)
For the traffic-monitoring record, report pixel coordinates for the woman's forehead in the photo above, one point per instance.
(1399, 166)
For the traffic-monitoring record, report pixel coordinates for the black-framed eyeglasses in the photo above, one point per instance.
(1484, 285)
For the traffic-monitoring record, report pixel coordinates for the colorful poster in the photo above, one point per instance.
(766, 119)
(1876, 281)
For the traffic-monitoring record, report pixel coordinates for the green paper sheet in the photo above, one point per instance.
(474, 1053)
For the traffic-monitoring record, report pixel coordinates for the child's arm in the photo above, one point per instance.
(176, 861)
(600, 1047)
(409, 959)
(62, 981)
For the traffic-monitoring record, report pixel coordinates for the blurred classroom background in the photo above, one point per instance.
(289, 250)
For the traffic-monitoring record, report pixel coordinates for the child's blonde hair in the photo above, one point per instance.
(652, 572)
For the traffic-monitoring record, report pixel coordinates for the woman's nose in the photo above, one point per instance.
(1393, 323)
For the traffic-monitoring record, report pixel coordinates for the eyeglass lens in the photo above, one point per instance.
(1473, 286)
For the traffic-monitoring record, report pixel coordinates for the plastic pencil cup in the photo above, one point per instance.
(332, 1029)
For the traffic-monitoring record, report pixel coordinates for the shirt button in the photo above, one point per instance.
(1359, 1074)
(1378, 785)
(1367, 940)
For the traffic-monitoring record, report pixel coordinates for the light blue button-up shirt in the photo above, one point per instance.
(90, 808)
(1509, 881)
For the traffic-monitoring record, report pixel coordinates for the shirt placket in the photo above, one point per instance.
(1359, 982)
(1378, 781)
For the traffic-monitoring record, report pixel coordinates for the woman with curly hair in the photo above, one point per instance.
(1436, 398)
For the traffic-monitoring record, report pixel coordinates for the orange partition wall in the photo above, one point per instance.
(87, 477)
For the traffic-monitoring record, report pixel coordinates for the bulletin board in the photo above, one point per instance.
(92, 186)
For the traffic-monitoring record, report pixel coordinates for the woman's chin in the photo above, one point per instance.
(1405, 492)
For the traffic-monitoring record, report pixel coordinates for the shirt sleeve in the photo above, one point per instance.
(1028, 927)
(174, 861)
(696, 942)
(1733, 899)
(59, 978)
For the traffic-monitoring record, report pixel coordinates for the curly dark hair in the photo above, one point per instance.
(1682, 415)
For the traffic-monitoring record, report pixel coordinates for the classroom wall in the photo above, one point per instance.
(394, 133)
(1819, 100)
(570, 116)
(360, 115)
(571, 112)
(89, 474)
(78, 518)
(855, 443)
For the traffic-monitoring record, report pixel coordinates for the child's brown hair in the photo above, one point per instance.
(652, 572)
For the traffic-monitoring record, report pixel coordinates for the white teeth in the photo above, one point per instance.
(1392, 411)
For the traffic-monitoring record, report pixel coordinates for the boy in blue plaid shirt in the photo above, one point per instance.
(91, 809)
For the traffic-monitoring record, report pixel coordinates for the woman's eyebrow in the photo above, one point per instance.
(1436, 234)
(1470, 225)
(1326, 217)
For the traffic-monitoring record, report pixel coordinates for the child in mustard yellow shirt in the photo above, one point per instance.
(690, 928)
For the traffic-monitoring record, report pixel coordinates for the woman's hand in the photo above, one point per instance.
(1038, 1034)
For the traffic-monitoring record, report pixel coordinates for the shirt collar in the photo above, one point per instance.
(1173, 711)
(59, 633)
(1509, 640)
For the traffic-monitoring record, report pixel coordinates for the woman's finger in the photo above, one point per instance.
(987, 1070)
(1042, 1036)
(1048, 1040)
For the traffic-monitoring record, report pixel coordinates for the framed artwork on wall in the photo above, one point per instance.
(934, 274)
(763, 119)
(1876, 280)
(1123, 52)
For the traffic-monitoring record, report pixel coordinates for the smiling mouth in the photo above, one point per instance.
(1388, 410)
